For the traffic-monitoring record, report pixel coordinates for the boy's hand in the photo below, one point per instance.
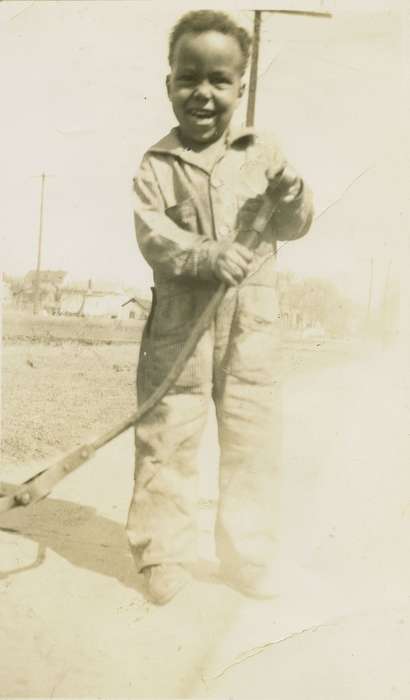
(284, 184)
(231, 262)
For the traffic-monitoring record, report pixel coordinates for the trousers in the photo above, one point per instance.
(236, 364)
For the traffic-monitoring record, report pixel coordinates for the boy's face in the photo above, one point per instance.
(205, 85)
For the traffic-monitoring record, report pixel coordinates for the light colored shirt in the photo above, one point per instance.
(184, 205)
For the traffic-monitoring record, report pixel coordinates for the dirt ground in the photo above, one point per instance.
(58, 395)
(74, 619)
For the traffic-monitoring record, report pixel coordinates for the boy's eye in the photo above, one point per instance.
(186, 78)
(221, 80)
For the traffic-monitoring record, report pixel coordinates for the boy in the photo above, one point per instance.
(195, 189)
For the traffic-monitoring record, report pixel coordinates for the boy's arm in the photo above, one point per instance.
(294, 213)
(164, 245)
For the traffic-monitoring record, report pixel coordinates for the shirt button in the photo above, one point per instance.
(216, 182)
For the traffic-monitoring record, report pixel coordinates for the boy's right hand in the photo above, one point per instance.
(231, 262)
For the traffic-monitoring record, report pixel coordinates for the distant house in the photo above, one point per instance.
(102, 300)
(60, 294)
(103, 303)
(90, 302)
(71, 302)
(135, 308)
(54, 277)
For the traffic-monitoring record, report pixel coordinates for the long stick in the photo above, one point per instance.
(253, 76)
(42, 483)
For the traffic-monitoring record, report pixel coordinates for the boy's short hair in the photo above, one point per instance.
(200, 21)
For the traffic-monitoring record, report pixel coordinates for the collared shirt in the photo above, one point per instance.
(183, 207)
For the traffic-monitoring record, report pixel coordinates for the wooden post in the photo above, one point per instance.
(40, 237)
(253, 77)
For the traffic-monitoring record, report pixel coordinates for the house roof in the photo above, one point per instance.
(52, 276)
(144, 304)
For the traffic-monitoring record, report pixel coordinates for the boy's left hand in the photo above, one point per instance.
(284, 183)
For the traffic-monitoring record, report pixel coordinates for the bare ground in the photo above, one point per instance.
(74, 620)
(58, 395)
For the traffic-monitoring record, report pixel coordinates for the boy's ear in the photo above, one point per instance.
(168, 84)
(242, 89)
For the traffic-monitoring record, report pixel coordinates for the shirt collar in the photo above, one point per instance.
(172, 145)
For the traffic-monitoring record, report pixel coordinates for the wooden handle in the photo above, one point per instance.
(42, 483)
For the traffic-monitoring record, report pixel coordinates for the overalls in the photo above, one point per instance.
(181, 209)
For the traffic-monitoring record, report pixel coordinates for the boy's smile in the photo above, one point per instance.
(205, 85)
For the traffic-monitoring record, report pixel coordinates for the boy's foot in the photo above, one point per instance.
(164, 581)
(251, 580)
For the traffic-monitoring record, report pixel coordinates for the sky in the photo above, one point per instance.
(84, 96)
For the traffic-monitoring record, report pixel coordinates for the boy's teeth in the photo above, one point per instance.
(199, 113)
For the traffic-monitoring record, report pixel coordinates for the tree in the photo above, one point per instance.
(317, 301)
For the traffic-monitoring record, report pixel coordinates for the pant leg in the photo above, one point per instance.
(248, 403)
(162, 516)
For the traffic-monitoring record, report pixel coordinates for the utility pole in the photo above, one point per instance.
(36, 298)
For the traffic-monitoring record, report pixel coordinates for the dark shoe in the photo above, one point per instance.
(251, 580)
(164, 581)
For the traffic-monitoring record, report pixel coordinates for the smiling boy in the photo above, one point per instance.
(195, 190)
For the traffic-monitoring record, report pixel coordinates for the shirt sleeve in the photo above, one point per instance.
(165, 245)
(293, 219)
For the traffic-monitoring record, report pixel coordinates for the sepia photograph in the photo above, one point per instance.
(205, 356)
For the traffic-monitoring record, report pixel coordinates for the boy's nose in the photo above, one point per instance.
(203, 90)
